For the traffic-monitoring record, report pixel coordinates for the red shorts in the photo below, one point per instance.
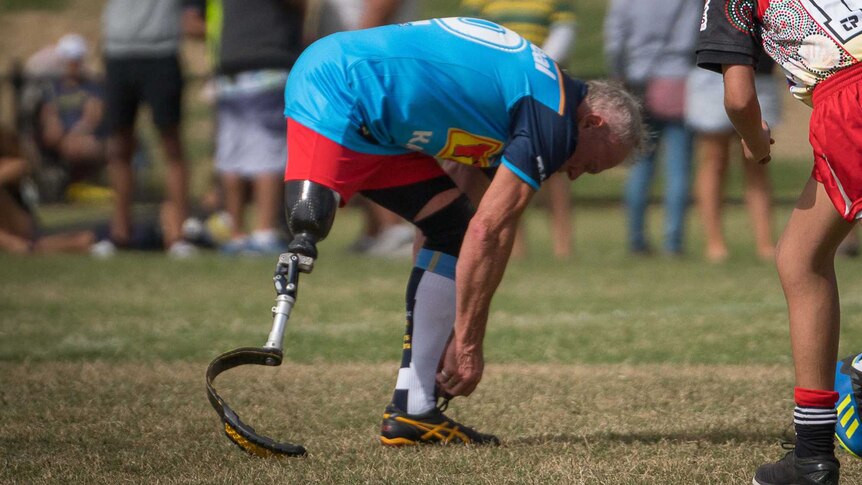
(312, 156)
(836, 136)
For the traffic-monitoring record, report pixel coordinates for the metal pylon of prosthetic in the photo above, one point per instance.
(286, 282)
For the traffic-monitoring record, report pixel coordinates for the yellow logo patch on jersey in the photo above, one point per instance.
(469, 149)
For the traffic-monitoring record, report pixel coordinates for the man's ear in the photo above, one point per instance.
(592, 120)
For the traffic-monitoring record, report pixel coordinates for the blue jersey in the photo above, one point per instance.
(460, 89)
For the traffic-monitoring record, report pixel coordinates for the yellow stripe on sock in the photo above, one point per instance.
(433, 263)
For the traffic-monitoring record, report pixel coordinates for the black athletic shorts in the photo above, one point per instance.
(156, 81)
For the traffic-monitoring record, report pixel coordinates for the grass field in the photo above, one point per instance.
(607, 369)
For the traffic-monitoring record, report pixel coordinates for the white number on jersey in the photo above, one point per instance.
(484, 32)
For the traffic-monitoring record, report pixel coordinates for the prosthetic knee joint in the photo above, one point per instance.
(310, 209)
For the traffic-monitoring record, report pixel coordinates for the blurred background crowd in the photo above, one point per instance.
(100, 117)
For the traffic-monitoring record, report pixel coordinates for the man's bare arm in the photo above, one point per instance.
(480, 269)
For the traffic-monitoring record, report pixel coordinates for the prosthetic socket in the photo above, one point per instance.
(310, 210)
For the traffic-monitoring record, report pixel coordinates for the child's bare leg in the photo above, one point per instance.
(806, 266)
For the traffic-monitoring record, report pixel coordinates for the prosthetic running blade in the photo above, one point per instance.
(271, 354)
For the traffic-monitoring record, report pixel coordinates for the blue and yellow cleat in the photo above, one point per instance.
(848, 384)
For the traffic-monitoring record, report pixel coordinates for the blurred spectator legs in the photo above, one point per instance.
(677, 147)
(177, 181)
(120, 149)
(758, 199)
(717, 140)
(266, 193)
(560, 211)
(557, 200)
(715, 156)
(710, 189)
(250, 155)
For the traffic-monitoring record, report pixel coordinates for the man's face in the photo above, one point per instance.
(597, 150)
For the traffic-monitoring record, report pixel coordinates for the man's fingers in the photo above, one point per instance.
(463, 388)
(455, 385)
(449, 383)
(446, 379)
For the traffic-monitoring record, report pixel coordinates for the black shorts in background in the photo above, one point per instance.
(155, 81)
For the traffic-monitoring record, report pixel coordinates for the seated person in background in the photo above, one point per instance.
(18, 228)
(71, 117)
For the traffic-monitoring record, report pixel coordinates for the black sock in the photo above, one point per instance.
(815, 431)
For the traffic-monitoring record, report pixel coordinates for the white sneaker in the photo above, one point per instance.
(103, 249)
(193, 228)
(394, 242)
(182, 250)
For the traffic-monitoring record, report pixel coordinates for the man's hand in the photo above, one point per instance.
(462, 370)
(759, 152)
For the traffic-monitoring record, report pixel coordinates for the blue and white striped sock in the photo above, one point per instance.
(430, 318)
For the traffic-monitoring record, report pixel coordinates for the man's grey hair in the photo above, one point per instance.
(621, 110)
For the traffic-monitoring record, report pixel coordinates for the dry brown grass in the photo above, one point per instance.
(151, 423)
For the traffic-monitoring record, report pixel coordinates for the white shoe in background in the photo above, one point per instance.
(394, 242)
(103, 249)
(182, 250)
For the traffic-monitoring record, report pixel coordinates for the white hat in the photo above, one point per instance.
(71, 47)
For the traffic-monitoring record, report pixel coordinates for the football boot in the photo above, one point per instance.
(400, 429)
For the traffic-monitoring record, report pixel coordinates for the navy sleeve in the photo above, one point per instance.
(540, 140)
(728, 34)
